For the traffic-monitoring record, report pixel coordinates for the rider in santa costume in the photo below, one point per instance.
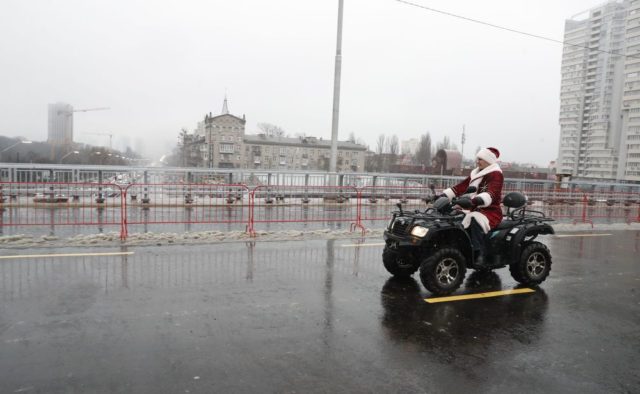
(485, 212)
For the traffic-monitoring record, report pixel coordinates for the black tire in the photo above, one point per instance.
(534, 264)
(398, 264)
(442, 273)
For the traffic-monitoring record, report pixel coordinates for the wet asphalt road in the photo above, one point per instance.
(320, 316)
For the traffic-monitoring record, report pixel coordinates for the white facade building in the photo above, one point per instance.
(600, 94)
(409, 147)
(629, 155)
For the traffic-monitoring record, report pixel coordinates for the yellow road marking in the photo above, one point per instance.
(356, 245)
(479, 295)
(33, 256)
(581, 235)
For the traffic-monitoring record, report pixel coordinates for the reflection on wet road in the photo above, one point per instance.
(320, 316)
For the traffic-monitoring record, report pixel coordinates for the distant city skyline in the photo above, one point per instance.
(406, 71)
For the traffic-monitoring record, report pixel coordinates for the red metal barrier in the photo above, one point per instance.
(377, 202)
(304, 204)
(63, 204)
(178, 203)
(56, 203)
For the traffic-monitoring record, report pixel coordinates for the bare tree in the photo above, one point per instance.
(271, 130)
(444, 144)
(423, 153)
(352, 138)
(380, 149)
(380, 144)
(394, 145)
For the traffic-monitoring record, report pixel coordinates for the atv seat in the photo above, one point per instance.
(505, 224)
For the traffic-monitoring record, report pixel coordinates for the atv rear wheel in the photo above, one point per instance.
(400, 265)
(534, 264)
(443, 272)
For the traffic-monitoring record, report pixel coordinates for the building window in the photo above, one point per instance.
(226, 148)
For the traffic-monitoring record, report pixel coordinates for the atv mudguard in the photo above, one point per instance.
(454, 237)
(517, 239)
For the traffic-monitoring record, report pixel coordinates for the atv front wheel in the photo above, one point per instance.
(443, 272)
(534, 264)
(400, 265)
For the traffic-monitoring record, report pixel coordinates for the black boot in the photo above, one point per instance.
(479, 261)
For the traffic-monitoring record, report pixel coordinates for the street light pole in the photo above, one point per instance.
(336, 93)
(72, 152)
(16, 144)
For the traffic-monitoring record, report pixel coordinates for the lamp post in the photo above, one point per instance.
(16, 144)
(336, 93)
(75, 152)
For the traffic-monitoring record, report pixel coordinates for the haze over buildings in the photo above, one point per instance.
(405, 70)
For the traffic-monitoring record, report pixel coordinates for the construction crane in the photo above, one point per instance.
(105, 134)
(69, 113)
(68, 139)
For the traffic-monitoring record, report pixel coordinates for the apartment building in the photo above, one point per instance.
(301, 153)
(629, 155)
(222, 143)
(600, 94)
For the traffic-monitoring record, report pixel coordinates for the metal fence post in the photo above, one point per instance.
(123, 213)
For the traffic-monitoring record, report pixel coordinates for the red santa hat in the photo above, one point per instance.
(490, 155)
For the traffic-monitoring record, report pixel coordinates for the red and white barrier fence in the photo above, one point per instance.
(86, 204)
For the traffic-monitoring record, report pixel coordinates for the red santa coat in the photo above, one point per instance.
(489, 188)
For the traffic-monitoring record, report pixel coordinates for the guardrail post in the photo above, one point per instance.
(250, 225)
(359, 211)
(584, 212)
(123, 213)
(145, 195)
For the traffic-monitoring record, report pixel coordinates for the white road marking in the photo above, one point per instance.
(33, 256)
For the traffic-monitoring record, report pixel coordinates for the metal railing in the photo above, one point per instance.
(255, 208)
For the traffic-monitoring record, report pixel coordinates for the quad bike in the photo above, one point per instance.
(435, 242)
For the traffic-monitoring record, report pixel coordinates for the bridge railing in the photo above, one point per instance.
(236, 206)
(186, 203)
(61, 204)
(304, 204)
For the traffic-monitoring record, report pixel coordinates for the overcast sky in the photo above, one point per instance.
(161, 65)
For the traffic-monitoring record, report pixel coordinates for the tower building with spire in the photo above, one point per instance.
(220, 142)
(224, 136)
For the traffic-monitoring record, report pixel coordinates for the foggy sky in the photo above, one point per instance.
(160, 66)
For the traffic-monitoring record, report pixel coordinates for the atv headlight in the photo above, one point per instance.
(419, 231)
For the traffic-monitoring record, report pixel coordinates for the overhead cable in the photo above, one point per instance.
(513, 30)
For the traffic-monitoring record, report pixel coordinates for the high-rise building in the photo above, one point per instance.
(600, 94)
(591, 92)
(60, 130)
(629, 155)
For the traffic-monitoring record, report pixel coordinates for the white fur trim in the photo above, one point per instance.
(486, 155)
(449, 193)
(480, 218)
(476, 173)
(486, 199)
